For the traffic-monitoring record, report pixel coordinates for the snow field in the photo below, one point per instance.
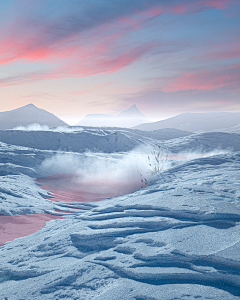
(175, 239)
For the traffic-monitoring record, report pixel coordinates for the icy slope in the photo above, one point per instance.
(205, 142)
(78, 141)
(109, 140)
(88, 138)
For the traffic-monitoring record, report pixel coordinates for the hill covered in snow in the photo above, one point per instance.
(87, 138)
(26, 115)
(211, 121)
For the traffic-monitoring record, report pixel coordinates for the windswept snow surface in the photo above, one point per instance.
(177, 238)
(81, 139)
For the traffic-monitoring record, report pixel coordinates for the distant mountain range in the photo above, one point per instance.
(127, 118)
(130, 118)
(193, 122)
(27, 115)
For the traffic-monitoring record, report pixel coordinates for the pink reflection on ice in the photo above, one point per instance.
(63, 211)
(12, 227)
(70, 188)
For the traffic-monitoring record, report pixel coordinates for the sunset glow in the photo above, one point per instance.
(167, 57)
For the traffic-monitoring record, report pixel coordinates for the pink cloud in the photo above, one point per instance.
(220, 4)
(226, 50)
(228, 77)
(84, 63)
(196, 6)
(29, 49)
(155, 11)
(33, 40)
(103, 49)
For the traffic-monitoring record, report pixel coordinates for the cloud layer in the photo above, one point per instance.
(143, 46)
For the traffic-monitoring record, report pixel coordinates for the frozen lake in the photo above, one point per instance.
(70, 188)
(22, 225)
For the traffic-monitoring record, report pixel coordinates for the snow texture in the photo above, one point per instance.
(82, 139)
(177, 238)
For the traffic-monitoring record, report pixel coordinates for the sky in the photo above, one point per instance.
(75, 57)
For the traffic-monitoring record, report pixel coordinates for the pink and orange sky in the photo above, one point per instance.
(96, 56)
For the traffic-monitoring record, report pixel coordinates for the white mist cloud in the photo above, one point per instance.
(38, 127)
(112, 174)
(119, 170)
(102, 174)
(33, 127)
(115, 166)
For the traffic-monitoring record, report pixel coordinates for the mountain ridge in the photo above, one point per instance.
(194, 122)
(127, 118)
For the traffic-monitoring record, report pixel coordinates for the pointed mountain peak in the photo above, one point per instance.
(132, 112)
(26, 107)
(30, 105)
(132, 108)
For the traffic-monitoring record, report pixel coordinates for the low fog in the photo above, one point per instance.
(110, 175)
(38, 127)
(121, 173)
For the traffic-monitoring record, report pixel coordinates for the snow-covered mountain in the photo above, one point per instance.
(27, 115)
(127, 118)
(177, 238)
(212, 121)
